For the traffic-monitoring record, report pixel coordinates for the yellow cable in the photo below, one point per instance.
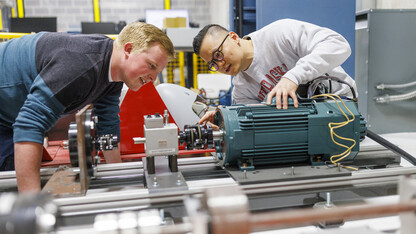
(333, 126)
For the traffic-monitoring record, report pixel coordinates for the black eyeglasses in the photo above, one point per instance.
(216, 56)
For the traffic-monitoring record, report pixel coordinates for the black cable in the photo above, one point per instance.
(203, 110)
(330, 86)
(314, 83)
(391, 146)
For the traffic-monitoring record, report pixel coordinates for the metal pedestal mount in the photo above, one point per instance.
(83, 151)
(161, 161)
(328, 204)
(161, 140)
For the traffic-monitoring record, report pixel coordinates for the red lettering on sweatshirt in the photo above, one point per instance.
(265, 88)
(272, 79)
(279, 70)
(274, 76)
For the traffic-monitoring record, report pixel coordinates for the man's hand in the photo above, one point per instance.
(208, 118)
(282, 90)
(112, 156)
(27, 160)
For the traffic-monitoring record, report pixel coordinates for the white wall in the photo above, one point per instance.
(385, 4)
(220, 12)
(71, 13)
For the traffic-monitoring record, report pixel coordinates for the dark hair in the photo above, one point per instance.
(209, 29)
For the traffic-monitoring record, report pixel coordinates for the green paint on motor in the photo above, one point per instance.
(260, 134)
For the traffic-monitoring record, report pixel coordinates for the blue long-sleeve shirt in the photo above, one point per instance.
(45, 75)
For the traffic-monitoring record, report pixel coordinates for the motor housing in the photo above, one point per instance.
(260, 134)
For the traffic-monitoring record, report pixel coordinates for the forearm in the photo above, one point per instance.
(27, 158)
(320, 50)
(113, 156)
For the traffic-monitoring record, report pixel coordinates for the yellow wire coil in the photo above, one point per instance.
(332, 126)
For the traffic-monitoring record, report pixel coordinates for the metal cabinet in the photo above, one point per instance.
(386, 54)
(243, 16)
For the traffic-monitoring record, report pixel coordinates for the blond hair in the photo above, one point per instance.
(142, 36)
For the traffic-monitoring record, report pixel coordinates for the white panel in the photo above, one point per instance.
(214, 83)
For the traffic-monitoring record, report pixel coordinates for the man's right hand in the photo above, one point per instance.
(282, 91)
(208, 118)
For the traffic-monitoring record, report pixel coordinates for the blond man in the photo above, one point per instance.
(46, 75)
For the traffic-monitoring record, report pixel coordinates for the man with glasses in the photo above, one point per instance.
(46, 75)
(274, 60)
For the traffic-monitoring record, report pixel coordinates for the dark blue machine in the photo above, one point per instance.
(260, 134)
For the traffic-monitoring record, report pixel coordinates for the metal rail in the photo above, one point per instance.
(294, 218)
(132, 199)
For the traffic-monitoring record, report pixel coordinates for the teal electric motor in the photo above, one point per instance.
(255, 135)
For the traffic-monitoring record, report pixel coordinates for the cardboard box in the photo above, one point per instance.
(178, 22)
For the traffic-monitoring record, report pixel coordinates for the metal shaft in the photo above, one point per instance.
(218, 135)
(285, 219)
(139, 140)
